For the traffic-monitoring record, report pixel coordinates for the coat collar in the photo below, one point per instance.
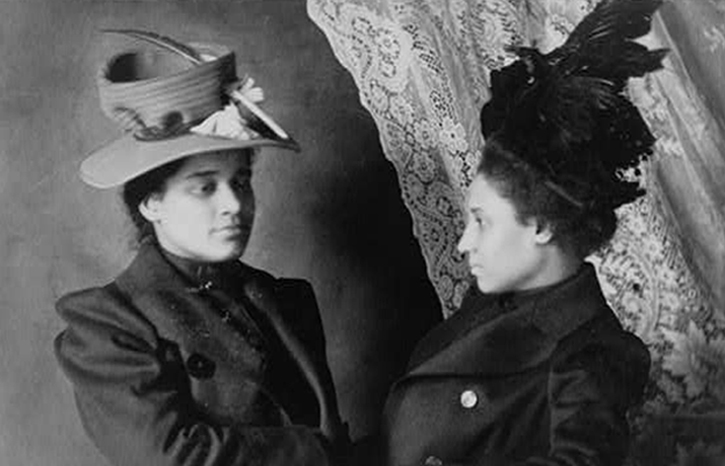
(185, 309)
(569, 305)
(149, 272)
(153, 269)
(531, 324)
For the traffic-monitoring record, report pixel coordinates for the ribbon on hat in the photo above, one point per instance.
(229, 122)
(172, 124)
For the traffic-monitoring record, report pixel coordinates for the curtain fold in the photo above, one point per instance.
(422, 67)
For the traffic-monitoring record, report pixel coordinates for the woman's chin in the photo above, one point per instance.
(233, 252)
(231, 247)
(225, 251)
(482, 285)
(487, 286)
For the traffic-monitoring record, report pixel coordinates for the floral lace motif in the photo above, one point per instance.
(421, 67)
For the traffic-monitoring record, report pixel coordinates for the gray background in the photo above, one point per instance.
(332, 214)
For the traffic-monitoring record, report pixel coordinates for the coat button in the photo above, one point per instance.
(469, 399)
(433, 461)
(200, 367)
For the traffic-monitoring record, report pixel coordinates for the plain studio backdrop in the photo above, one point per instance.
(331, 214)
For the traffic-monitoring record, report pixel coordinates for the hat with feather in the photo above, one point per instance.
(175, 101)
(566, 113)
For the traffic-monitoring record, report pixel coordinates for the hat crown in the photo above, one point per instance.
(136, 66)
(157, 89)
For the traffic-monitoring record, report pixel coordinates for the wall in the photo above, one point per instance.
(332, 214)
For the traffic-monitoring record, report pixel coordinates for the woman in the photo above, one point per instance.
(190, 357)
(535, 369)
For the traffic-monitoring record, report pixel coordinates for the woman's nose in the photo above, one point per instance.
(228, 199)
(464, 244)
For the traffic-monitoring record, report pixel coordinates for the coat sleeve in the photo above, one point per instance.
(591, 387)
(304, 315)
(135, 403)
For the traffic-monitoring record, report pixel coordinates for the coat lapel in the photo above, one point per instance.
(507, 343)
(475, 309)
(493, 335)
(268, 302)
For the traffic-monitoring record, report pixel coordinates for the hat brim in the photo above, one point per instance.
(126, 158)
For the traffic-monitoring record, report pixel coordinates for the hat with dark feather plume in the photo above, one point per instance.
(566, 114)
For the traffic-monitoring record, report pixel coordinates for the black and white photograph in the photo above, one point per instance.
(362, 233)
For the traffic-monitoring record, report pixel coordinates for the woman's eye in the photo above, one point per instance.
(205, 188)
(240, 184)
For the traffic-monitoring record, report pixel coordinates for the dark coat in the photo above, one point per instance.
(543, 379)
(229, 371)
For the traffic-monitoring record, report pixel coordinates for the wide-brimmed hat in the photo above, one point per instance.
(175, 101)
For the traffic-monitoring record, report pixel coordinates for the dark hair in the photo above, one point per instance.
(140, 188)
(583, 229)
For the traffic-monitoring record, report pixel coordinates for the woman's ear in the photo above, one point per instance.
(150, 208)
(544, 234)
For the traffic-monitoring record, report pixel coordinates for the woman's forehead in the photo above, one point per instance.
(223, 162)
(484, 196)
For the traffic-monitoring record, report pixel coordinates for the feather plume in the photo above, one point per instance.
(592, 67)
(256, 111)
(565, 113)
(162, 41)
(603, 43)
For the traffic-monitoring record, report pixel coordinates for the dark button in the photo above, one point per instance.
(169, 352)
(200, 367)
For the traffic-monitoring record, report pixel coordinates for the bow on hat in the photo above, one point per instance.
(174, 105)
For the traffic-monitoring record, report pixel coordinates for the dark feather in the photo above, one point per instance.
(616, 20)
(603, 36)
(586, 74)
(573, 106)
(566, 114)
(162, 41)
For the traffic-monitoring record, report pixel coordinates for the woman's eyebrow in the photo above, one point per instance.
(201, 174)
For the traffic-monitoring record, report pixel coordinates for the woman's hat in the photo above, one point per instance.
(566, 113)
(173, 103)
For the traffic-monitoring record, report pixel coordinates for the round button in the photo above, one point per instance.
(200, 367)
(433, 461)
(469, 399)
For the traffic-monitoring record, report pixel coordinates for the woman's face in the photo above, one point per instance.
(503, 254)
(206, 210)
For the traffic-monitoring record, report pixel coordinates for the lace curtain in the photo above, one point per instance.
(422, 67)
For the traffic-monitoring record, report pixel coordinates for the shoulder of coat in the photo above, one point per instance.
(106, 307)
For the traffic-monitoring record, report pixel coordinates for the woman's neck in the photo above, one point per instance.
(556, 266)
(196, 270)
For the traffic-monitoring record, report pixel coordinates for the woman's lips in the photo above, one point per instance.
(229, 230)
(476, 269)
